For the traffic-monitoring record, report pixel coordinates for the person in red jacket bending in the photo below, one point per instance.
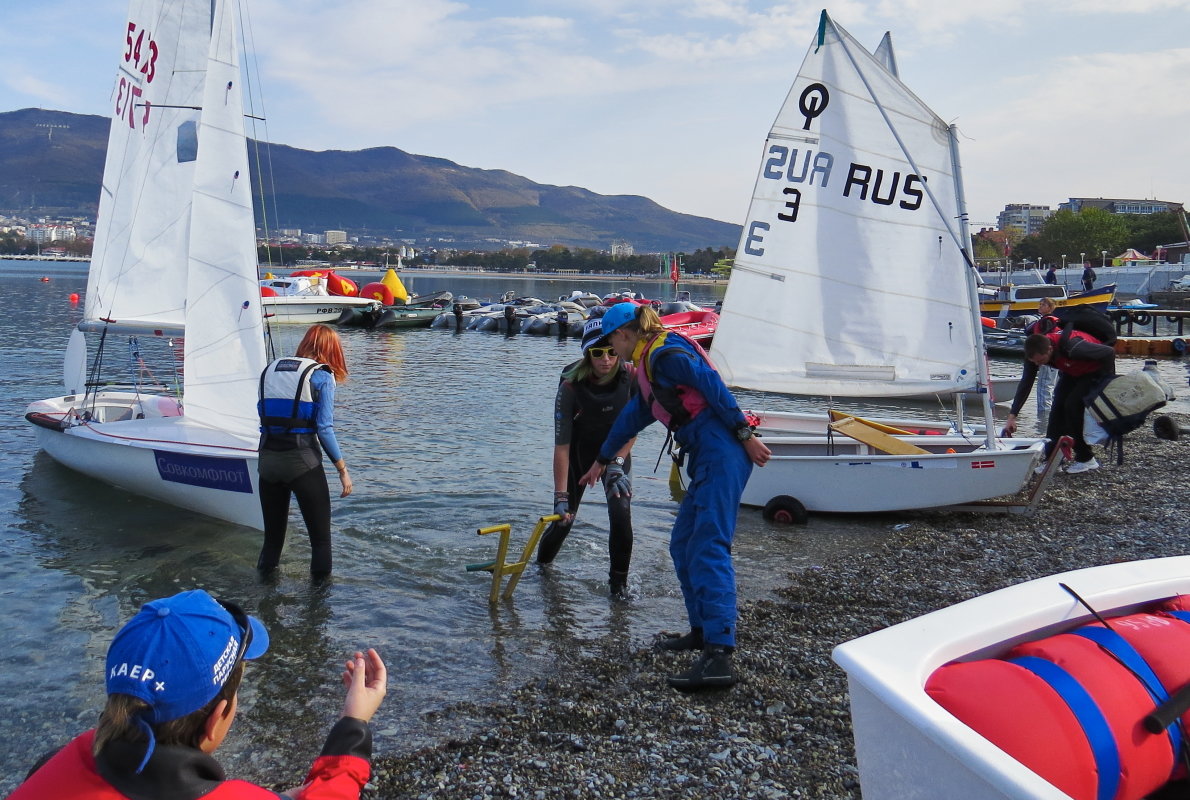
(1082, 361)
(173, 678)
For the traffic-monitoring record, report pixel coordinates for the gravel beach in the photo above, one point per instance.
(609, 727)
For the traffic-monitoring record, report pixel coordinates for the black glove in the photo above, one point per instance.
(561, 503)
(616, 483)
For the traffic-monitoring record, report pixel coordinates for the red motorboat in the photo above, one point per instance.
(697, 325)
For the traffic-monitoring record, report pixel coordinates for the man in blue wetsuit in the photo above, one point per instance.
(681, 388)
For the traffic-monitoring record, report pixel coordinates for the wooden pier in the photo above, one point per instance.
(1149, 342)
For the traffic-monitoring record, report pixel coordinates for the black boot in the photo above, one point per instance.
(689, 641)
(617, 583)
(712, 670)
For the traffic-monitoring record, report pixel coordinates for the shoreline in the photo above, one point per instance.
(608, 726)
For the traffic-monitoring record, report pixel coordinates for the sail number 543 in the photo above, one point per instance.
(141, 52)
(140, 55)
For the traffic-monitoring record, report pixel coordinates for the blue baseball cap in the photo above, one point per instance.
(177, 653)
(617, 316)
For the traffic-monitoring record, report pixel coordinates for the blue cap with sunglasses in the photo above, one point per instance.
(177, 653)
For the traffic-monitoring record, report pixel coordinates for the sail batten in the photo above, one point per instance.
(850, 238)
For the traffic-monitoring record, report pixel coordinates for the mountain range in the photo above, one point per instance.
(51, 164)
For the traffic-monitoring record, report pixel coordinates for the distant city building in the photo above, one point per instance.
(1117, 206)
(336, 237)
(621, 249)
(51, 233)
(1024, 218)
(314, 238)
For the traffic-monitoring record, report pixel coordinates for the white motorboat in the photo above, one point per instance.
(304, 300)
(852, 280)
(174, 260)
(910, 747)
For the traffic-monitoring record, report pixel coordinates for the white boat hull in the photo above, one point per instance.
(907, 745)
(166, 458)
(308, 310)
(838, 474)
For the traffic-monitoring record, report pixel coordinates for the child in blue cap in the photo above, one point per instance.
(173, 676)
(680, 388)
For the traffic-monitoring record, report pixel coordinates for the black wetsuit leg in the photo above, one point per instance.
(274, 507)
(556, 533)
(619, 537)
(314, 499)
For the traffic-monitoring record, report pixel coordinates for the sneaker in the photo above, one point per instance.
(712, 670)
(689, 641)
(1082, 466)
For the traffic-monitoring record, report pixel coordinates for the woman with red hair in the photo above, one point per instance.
(297, 402)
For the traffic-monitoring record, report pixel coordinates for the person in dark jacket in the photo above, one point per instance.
(591, 394)
(297, 408)
(173, 675)
(681, 389)
(1088, 278)
(1082, 361)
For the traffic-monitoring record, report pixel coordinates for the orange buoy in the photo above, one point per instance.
(45, 279)
(74, 298)
(265, 291)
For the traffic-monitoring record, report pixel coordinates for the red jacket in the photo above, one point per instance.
(184, 773)
(1080, 353)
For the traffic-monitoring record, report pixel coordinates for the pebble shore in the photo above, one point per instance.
(609, 727)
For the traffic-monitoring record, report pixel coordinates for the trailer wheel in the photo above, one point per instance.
(785, 510)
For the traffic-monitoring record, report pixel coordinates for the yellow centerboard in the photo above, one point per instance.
(863, 431)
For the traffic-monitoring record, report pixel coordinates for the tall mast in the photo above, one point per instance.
(981, 359)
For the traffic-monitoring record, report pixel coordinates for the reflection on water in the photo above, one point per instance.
(445, 433)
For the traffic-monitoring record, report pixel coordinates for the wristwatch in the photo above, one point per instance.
(618, 461)
(744, 433)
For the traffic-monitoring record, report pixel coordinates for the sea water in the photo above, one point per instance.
(444, 433)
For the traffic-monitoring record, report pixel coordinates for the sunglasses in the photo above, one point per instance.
(600, 352)
(241, 620)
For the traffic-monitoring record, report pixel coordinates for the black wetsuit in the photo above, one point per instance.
(583, 415)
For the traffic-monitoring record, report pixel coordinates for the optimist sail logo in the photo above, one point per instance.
(227, 474)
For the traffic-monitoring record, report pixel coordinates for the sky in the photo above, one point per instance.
(672, 99)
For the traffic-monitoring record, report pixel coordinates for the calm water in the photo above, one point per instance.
(445, 433)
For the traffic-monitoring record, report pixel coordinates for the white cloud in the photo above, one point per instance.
(1096, 125)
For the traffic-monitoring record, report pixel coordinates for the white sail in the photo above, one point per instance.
(224, 352)
(849, 279)
(885, 55)
(138, 268)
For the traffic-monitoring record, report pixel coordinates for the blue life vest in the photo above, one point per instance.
(288, 403)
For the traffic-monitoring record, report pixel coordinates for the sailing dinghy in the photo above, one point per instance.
(852, 279)
(175, 257)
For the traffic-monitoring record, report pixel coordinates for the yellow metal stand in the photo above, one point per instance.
(499, 568)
